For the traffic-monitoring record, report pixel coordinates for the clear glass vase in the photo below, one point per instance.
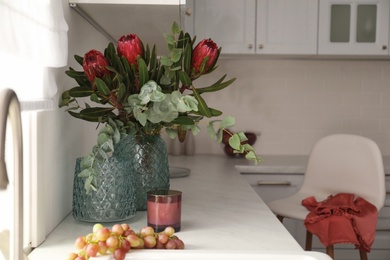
(114, 199)
(146, 158)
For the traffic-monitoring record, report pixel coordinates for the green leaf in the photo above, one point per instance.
(79, 59)
(234, 142)
(175, 28)
(95, 114)
(143, 71)
(121, 92)
(166, 61)
(75, 74)
(85, 173)
(184, 120)
(227, 122)
(185, 79)
(102, 87)
(211, 131)
(95, 98)
(176, 54)
(187, 58)
(169, 38)
(202, 106)
(216, 86)
(80, 92)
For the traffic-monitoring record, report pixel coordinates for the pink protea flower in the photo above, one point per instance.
(130, 46)
(94, 65)
(204, 48)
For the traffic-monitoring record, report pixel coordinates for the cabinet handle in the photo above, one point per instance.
(261, 46)
(273, 183)
(250, 46)
(188, 11)
(384, 47)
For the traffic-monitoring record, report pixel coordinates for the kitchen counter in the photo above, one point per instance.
(286, 164)
(220, 212)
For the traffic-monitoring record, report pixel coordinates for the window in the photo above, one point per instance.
(33, 42)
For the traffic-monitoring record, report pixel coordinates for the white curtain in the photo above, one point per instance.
(33, 40)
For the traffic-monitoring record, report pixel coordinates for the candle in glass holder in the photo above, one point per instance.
(164, 209)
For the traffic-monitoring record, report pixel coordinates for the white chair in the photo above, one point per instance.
(339, 163)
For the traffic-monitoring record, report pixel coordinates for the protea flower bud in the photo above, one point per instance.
(94, 65)
(205, 48)
(130, 46)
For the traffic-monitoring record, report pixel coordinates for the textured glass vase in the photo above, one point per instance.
(114, 199)
(146, 158)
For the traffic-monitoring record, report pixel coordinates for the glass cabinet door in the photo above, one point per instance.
(355, 27)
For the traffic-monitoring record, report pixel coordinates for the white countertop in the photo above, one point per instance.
(286, 164)
(220, 211)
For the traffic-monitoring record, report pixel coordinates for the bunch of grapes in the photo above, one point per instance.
(120, 239)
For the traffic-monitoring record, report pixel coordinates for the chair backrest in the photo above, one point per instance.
(349, 164)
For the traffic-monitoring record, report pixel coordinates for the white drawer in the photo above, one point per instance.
(274, 186)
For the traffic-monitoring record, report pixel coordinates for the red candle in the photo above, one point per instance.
(164, 209)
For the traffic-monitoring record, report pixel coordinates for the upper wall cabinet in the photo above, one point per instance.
(230, 23)
(287, 27)
(250, 26)
(354, 27)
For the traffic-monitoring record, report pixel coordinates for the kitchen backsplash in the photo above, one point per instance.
(294, 102)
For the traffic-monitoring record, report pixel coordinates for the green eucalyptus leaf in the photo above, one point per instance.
(234, 142)
(87, 162)
(227, 122)
(175, 28)
(85, 173)
(176, 54)
(211, 132)
(87, 184)
(166, 61)
(169, 38)
(107, 146)
(242, 136)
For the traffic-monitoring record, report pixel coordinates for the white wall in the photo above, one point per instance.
(295, 102)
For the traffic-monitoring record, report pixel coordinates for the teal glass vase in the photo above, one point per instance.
(114, 199)
(146, 158)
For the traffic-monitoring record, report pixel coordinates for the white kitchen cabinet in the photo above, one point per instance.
(287, 27)
(353, 27)
(276, 186)
(250, 26)
(273, 186)
(230, 23)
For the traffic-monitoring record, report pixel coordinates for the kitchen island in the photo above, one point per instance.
(220, 213)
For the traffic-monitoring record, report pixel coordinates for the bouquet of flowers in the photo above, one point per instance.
(132, 90)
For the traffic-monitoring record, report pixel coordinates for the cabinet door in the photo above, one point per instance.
(230, 23)
(354, 27)
(287, 27)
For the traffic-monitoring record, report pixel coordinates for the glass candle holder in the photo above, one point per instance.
(164, 209)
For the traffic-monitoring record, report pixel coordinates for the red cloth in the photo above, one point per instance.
(340, 219)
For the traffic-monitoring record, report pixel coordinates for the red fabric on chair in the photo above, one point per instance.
(341, 219)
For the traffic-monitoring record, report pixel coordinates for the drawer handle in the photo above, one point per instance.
(274, 183)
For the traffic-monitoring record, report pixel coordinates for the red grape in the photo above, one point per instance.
(119, 254)
(92, 249)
